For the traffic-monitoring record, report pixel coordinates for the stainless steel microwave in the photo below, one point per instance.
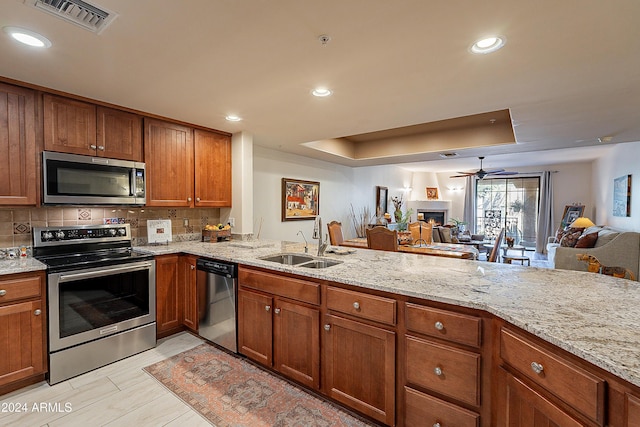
(85, 180)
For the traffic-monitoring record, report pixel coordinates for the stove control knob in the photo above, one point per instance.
(112, 231)
(47, 235)
(60, 234)
(122, 231)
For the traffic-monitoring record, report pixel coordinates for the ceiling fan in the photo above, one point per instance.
(481, 173)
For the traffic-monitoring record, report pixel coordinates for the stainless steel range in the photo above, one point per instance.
(101, 296)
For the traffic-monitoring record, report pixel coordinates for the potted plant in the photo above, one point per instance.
(516, 206)
(458, 225)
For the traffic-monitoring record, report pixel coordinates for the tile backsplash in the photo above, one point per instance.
(16, 224)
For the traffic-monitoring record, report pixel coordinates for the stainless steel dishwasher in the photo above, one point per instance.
(217, 289)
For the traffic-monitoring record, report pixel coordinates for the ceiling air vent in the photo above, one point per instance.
(83, 14)
(448, 155)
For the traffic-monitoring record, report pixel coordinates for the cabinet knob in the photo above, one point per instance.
(93, 146)
(436, 425)
(101, 147)
(537, 368)
(327, 327)
(439, 326)
(267, 307)
(356, 305)
(437, 371)
(188, 199)
(193, 267)
(276, 311)
(197, 199)
(2, 292)
(38, 312)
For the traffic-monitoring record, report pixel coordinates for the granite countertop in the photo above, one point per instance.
(20, 265)
(595, 317)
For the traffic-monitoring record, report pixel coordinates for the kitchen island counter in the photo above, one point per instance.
(594, 317)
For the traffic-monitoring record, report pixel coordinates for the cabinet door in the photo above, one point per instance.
(526, 407)
(255, 326)
(633, 411)
(18, 146)
(189, 296)
(296, 342)
(69, 126)
(213, 169)
(119, 134)
(360, 367)
(168, 305)
(21, 341)
(168, 153)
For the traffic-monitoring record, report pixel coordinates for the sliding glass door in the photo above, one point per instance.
(509, 203)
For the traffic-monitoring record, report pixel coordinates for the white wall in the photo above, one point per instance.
(340, 187)
(620, 161)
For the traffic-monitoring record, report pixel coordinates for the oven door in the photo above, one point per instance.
(88, 304)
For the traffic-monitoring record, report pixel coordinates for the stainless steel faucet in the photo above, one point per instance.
(306, 245)
(317, 234)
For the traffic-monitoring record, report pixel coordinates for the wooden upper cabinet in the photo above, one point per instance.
(69, 126)
(168, 153)
(78, 127)
(119, 134)
(17, 146)
(213, 169)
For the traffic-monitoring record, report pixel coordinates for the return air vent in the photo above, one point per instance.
(83, 14)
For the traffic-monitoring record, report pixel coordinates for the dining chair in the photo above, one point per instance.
(381, 238)
(425, 234)
(335, 233)
(495, 251)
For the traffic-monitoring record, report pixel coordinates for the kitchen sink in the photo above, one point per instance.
(288, 259)
(320, 263)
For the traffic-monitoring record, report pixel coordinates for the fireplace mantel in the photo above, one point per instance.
(439, 205)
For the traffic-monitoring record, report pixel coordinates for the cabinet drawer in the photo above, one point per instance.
(362, 305)
(424, 410)
(572, 384)
(443, 369)
(15, 289)
(447, 325)
(274, 284)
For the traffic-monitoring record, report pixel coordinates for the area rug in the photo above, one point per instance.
(230, 392)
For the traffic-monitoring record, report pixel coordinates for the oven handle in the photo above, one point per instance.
(105, 272)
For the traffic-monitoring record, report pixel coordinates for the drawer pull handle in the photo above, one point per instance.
(537, 368)
(439, 326)
(327, 327)
(2, 292)
(356, 305)
(437, 371)
(276, 311)
(37, 312)
(267, 307)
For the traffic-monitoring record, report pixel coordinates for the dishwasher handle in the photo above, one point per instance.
(217, 267)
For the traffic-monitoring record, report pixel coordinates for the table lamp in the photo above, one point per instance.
(582, 222)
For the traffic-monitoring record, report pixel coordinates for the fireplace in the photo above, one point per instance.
(437, 217)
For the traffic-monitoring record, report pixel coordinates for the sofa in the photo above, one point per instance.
(613, 248)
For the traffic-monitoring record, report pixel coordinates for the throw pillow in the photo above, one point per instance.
(587, 240)
(570, 237)
(559, 234)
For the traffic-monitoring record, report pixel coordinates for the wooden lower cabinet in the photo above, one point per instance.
(189, 297)
(168, 303)
(22, 329)
(359, 367)
(280, 334)
(422, 409)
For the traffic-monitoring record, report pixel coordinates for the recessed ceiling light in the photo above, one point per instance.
(487, 45)
(233, 118)
(321, 92)
(28, 37)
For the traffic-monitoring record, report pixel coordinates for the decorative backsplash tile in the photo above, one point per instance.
(16, 225)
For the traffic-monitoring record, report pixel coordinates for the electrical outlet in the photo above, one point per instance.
(232, 222)
(185, 222)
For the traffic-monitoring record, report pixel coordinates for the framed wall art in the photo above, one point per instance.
(382, 196)
(622, 196)
(432, 193)
(300, 199)
(570, 214)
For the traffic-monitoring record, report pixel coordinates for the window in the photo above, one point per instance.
(509, 203)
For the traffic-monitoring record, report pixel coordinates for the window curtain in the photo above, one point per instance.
(545, 219)
(468, 213)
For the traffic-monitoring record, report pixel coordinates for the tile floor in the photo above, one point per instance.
(120, 394)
